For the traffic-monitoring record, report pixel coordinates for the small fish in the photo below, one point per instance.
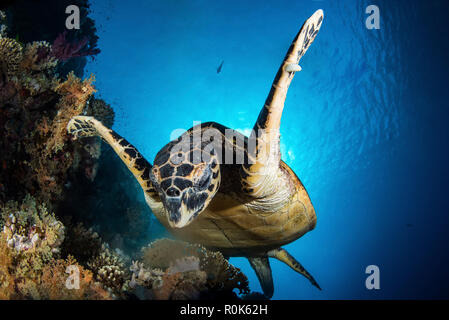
(220, 67)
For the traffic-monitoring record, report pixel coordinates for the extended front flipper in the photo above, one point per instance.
(267, 155)
(282, 255)
(83, 126)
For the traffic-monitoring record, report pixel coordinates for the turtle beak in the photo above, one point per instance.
(173, 207)
(178, 215)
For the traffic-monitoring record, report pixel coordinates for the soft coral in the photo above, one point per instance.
(64, 50)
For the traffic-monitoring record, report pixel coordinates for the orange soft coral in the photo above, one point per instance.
(54, 278)
(74, 94)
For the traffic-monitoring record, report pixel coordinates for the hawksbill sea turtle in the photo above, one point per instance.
(248, 208)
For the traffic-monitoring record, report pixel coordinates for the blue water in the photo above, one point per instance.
(364, 127)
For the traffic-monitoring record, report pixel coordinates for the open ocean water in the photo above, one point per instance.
(365, 124)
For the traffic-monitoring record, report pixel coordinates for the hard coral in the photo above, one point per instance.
(107, 266)
(159, 285)
(10, 57)
(30, 227)
(171, 269)
(110, 269)
(30, 267)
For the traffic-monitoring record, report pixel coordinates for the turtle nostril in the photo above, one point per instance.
(172, 192)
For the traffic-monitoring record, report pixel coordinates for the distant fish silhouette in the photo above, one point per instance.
(220, 67)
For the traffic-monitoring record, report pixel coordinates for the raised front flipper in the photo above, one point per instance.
(83, 126)
(267, 155)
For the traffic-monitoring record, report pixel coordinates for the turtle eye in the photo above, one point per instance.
(204, 181)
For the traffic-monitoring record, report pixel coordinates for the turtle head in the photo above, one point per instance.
(186, 181)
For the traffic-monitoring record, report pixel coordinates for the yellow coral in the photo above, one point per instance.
(37, 57)
(31, 269)
(74, 94)
(6, 279)
(109, 269)
(10, 56)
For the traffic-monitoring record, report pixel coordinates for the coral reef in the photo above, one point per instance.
(32, 21)
(30, 264)
(189, 272)
(108, 266)
(30, 227)
(37, 158)
(35, 108)
(10, 57)
(51, 186)
(74, 94)
(110, 269)
(174, 285)
(54, 278)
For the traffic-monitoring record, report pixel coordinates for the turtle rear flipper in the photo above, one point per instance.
(84, 126)
(282, 255)
(261, 266)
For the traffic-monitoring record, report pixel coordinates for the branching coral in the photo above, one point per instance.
(173, 269)
(10, 57)
(107, 266)
(110, 269)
